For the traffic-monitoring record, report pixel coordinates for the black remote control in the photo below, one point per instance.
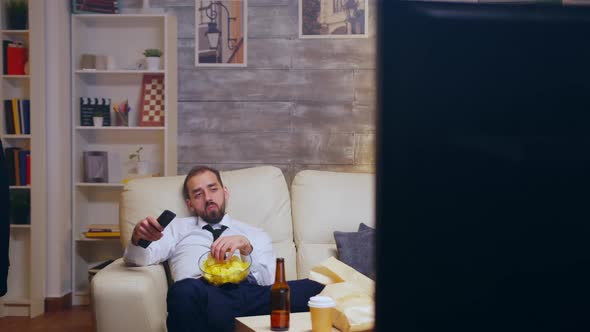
(164, 219)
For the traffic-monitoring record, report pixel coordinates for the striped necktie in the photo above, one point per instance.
(216, 232)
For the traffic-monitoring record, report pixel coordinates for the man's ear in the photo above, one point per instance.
(189, 205)
(226, 193)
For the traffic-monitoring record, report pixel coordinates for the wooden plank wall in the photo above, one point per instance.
(299, 104)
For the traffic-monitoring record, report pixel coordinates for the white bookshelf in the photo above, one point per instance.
(98, 203)
(26, 276)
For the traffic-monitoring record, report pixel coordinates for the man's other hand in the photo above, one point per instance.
(230, 244)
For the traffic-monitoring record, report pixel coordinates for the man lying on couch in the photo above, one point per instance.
(194, 304)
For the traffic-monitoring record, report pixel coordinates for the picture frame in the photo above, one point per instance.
(333, 19)
(96, 166)
(221, 33)
(153, 105)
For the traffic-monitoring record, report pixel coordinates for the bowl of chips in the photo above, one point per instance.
(234, 269)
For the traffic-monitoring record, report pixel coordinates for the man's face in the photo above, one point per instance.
(206, 197)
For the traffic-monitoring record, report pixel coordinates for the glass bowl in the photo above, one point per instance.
(234, 270)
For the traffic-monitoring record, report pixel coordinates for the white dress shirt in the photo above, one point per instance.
(184, 240)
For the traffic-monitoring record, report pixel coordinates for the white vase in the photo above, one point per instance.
(153, 63)
(143, 167)
(97, 121)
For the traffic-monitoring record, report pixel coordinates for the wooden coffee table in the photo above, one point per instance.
(298, 322)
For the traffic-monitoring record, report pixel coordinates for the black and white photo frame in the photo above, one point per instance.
(333, 18)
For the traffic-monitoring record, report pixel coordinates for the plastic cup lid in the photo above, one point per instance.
(321, 302)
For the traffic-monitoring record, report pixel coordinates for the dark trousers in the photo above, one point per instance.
(195, 305)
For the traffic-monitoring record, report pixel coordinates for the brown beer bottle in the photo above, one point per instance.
(280, 300)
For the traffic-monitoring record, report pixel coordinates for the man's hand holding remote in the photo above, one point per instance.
(147, 229)
(150, 229)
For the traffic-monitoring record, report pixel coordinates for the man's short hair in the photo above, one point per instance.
(196, 171)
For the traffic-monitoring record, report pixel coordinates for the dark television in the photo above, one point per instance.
(483, 175)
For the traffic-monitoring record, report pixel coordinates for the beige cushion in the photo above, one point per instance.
(257, 196)
(324, 202)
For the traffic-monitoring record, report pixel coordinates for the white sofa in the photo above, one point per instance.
(134, 298)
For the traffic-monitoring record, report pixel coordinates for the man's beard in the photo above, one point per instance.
(213, 216)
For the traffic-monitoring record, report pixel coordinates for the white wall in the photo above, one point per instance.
(57, 85)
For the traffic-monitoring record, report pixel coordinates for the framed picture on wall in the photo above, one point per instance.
(333, 18)
(221, 32)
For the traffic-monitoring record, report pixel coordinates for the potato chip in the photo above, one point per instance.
(233, 270)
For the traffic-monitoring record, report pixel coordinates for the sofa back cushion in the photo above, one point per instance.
(324, 202)
(257, 196)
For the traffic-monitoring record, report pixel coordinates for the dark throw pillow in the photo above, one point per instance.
(357, 249)
(364, 227)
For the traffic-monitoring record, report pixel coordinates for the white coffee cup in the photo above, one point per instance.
(320, 308)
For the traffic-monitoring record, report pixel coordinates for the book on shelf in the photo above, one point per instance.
(5, 43)
(102, 228)
(15, 116)
(21, 118)
(28, 170)
(26, 107)
(102, 235)
(8, 116)
(9, 155)
(16, 55)
(16, 156)
(22, 156)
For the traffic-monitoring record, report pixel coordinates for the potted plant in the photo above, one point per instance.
(152, 58)
(142, 166)
(17, 12)
(97, 119)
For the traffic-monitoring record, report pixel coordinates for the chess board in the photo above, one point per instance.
(152, 101)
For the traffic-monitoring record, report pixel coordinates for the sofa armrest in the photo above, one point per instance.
(130, 298)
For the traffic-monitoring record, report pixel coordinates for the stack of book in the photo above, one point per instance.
(102, 231)
(95, 6)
